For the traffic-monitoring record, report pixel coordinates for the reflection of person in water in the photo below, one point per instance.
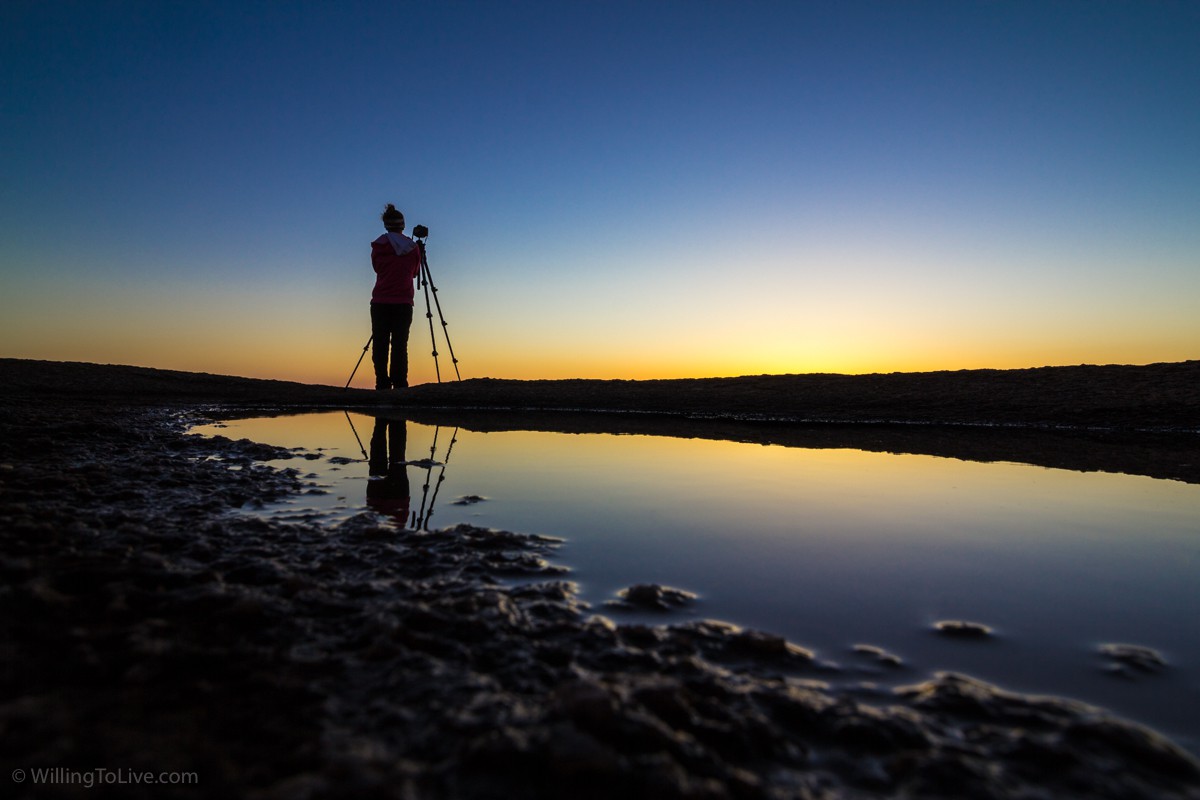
(387, 488)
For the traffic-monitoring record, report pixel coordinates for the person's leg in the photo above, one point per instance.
(379, 345)
(401, 324)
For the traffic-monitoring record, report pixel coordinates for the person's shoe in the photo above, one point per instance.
(382, 387)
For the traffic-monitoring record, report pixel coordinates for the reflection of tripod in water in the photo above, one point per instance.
(424, 281)
(421, 518)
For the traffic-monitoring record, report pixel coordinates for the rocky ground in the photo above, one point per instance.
(151, 625)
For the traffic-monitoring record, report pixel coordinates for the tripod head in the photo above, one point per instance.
(420, 234)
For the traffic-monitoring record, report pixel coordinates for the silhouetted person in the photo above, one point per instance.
(397, 262)
(387, 488)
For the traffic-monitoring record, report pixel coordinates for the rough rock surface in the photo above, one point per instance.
(651, 597)
(150, 624)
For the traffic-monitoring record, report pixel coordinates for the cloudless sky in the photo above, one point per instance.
(614, 189)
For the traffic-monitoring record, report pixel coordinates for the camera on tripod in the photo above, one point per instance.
(420, 232)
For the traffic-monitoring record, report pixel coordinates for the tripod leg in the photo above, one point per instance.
(441, 317)
(432, 338)
(362, 449)
(360, 358)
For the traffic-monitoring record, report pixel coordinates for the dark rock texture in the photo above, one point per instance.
(651, 597)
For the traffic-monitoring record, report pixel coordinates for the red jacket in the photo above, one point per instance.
(394, 273)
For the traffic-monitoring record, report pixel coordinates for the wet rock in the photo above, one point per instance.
(964, 697)
(522, 564)
(423, 463)
(244, 451)
(878, 656)
(639, 635)
(651, 597)
(727, 643)
(865, 728)
(961, 629)
(1131, 661)
(764, 645)
(469, 500)
(1104, 740)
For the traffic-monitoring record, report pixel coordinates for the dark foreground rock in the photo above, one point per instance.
(151, 625)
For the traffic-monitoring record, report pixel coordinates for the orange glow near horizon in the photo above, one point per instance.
(335, 368)
(309, 338)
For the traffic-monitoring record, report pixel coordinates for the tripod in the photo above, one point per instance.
(425, 281)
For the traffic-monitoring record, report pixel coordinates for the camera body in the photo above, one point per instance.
(420, 232)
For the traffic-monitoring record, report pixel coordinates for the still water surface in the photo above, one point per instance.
(831, 548)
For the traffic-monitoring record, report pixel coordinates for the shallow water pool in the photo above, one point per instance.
(832, 548)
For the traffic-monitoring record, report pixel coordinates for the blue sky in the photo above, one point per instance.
(613, 189)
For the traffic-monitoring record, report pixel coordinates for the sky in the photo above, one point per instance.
(613, 189)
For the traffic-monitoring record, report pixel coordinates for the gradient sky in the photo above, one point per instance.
(614, 189)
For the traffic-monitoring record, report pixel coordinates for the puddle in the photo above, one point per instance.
(891, 566)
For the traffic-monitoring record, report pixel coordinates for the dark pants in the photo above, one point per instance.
(389, 326)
